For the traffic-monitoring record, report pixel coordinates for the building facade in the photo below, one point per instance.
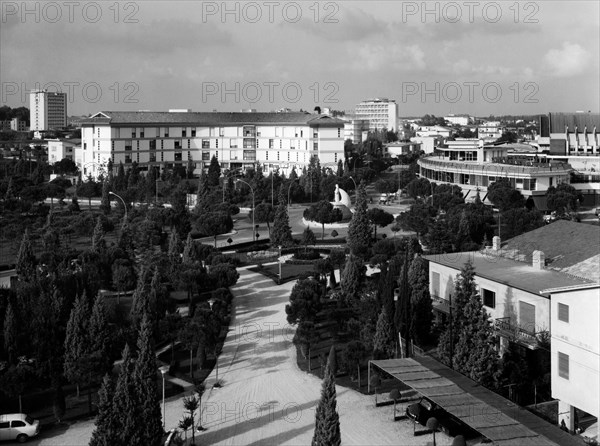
(59, 149)
(458, 119)
(356, 130)
(380, 112)
(47, 110)
(239, 140)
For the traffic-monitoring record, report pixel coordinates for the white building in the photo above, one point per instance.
(380, 112)
(428, 143)
(490, 130)
(575, 347)
(238, 140)
(18, 125)
(47, 110)
(58, 149)
(356, 130)
(458, 119)
(434, 130)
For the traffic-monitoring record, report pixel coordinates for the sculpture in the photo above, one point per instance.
(341, 201)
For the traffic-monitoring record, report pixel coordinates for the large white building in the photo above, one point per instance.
(238, 140)
(380, 112)
(47, 110)
(458, 119)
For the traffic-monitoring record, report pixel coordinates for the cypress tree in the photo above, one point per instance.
(105, 433)
(403, 320)
(140, 302)
(98, 243)
(359, 230)
(26, 261)
(327, 420)
(352, 278)
(384, 340)
(105, 200)
(100, 337)
(282, 233)
(149, 430)
(418, 277)
(10, 334)
(125, 404)
(77, 341)
(214, 171)
(188, 249)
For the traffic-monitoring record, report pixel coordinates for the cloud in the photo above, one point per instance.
(570, 60)
(395, 57)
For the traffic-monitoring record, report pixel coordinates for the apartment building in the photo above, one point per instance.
(458, 119)
(490, 131)
(239, 140)
(380, 112)
(59, 149)
(47, 110)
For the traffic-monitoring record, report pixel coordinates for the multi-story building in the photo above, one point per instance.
(18, 125)
(382, 113)
(401, 148)
(490, 131)
(473, 166)
(47, 110)
(458, 119)
(434, 130)
(429, 144)
(575, 350)
(355, 129)
(59, 149)
(239, 140)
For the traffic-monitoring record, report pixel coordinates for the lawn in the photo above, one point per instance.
(288, 272)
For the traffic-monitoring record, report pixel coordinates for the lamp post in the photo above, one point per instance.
(122, 201)
(239, 180)
(163, 371)
(211, 302)
(279, 264)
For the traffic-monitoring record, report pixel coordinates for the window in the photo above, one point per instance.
(178, 144)
(17, 423)
(132, 133)
(233, 155)
(315, 134)
(205, 156)
(563, 365)
(141, 133)
(193, 133)
(249, 155)
(233, 143)
(127, 159)
(153, 144)
(112, 146)
(128, 145)
(563, 312)
(270, 144)
(267, 155)
(527, 316)
(184, 133)
(205, 143)
(188, 143)
(4, 425)
(221, 131)
(153, 157)
(85, 146)
(489, 298)
(166, 133)
(277, 156)
(315, 146)
(178, 156)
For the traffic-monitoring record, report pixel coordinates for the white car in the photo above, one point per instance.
(18, 426)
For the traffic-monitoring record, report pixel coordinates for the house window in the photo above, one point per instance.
(178, 156)
(233, 155)
(249, 155)
(527, 316)
(563, 312)
(127, 159)
(270, 144)
(205, 156)
(205, 143)
(188, 143)
(184, 133)
(112, 145)
(335, 157)
(563, 365)
(141, 133)
(193, 133)
(221, 131)
(178, 144)
(153, 157)
(489, 298)
(162, 144)
(85, 146)
(132, 133)
(315, 134)
(166, 133)
(233, 143)
(128, 145)
(153, 144)
(216, 143)
(315, 146)
(267, 155)
(277, 156)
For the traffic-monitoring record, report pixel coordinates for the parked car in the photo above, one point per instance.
(18, 426)
(426, 409)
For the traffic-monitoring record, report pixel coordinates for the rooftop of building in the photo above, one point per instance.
(211, 118)
(569, 247)
(495, 266)
(498, 165)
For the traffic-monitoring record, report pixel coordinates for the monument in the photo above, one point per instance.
(341, 201)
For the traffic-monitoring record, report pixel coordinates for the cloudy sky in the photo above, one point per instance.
(446, 57)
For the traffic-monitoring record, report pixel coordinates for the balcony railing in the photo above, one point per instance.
(505, 328)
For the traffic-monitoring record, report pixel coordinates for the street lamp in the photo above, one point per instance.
(122, 201)
(211, 302)
(279, 264)
(239, 180)
(163, 371)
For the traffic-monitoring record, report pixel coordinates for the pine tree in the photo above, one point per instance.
(77, 342)
(125, 405)
(214, 171)
(10, 334)
(140, 305)
(105, 200)
(149, 430)
(120, 181)
(26, 261)
(384, 341)
(327, 419)
(282, 233)
(340, 169)
(359, 230)
(100, 337)
(352, 278)
(98, 243)
(188, 249)
(105, 433)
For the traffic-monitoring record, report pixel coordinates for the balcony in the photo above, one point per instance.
(506, 329)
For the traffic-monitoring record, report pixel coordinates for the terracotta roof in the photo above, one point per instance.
(212, 119)
(568, 246)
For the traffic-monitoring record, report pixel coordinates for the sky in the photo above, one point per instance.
(481, 58)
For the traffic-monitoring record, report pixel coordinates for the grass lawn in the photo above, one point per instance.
(288, 272)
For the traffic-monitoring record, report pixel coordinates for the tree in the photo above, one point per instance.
(359, 230)
(379, 217)
(59, 405)
(105, 433)
(88, 189)
(563, 198)
(384, 341)
(98, 243)
(308, 238)
(150, 430)
(418, 277)
(26, 261)
(352, 277)
(282, 233)
(305, 337)
(125, 405)
(304, 301)
(504, 196)
(200, 388)
(10, 334)
(100, 339)
(354, 354)
(264, 213)
(105, 200)
(323, 212)
(214, 223)
(223, 275)
(214, 171)
(191, 404)
(76, 342)
(327, 420)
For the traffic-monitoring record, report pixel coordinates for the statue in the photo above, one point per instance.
(341, 201)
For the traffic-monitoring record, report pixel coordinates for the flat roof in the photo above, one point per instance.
(495, 266)
(496, 418)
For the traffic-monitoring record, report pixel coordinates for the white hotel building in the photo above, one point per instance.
(47, 110)
(238, 140)
(380, 112)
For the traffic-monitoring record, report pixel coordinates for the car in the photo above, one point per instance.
(426, 409)
(18, 426)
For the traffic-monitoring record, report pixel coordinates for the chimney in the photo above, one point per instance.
(539, 259)
(496, 245)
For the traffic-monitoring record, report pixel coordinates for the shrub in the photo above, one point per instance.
(308, 255)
